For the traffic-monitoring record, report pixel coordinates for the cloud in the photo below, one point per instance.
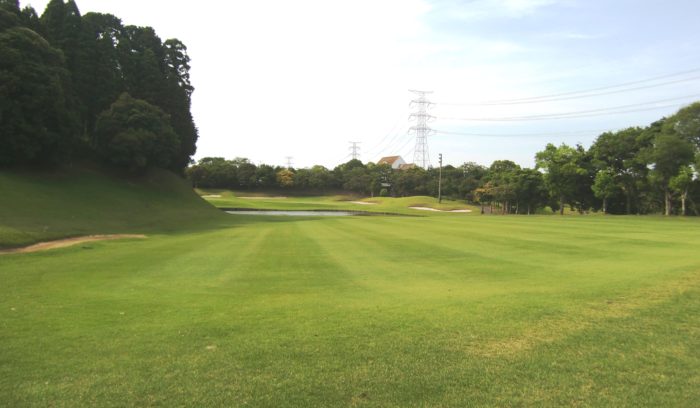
(483, 9)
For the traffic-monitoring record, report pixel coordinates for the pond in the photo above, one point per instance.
(296, 213)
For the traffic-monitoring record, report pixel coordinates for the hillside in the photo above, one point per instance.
(37, 206)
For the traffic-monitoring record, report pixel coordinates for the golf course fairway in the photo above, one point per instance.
(432, 310)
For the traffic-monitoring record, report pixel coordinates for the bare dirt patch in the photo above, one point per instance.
(212, 196)
(62, 243)
(435, 209)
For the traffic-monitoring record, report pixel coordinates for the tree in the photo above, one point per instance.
(686, 124)
(618, 153)
(472, 175)
(319, 177)
(134, 134)
(38, 121)
(285, 178)
(529, 189)
(63, 29)
(158, 72)
(669, 154)
(563, 169)
(604, 186)
(101, 71)
(502, 175)
(484, 194)
(680, 183)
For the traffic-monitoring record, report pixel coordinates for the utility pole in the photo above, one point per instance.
(289, 162)
(440, 181)
(421, 156)
(355, 149)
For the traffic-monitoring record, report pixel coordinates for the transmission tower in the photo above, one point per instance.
(421, 104)
(289, 162)
(355, 149)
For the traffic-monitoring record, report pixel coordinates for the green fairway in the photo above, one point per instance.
(402, 205)
(447, 310)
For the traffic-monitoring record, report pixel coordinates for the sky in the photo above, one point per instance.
(276, 78)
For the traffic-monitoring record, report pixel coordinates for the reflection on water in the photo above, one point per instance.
(294, 213)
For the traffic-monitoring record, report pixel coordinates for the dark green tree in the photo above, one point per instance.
(563, 169)
(619, 155)
(37, 120)
(670, 153)
(135, 135)
(530, 191)
(101, 71)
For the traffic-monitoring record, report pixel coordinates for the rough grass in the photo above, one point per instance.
(441, 310)
(39, 206)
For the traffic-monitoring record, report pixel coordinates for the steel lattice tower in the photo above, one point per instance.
(421, 155)
(355, 150)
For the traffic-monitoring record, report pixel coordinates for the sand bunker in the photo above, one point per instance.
(435, 209)
(362, 203)
(212, 196)
(62, 243)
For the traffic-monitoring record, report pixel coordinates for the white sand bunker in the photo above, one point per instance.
(62, 243)
(212, 196)
(435, 209)
(264, 198)
(362, 203)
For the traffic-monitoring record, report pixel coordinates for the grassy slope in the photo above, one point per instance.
(36, 206)
(230, 199)
(365, 311)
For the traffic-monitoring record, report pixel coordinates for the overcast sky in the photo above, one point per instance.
(302, 78)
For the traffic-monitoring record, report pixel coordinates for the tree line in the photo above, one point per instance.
(632, 171)
(87, 86)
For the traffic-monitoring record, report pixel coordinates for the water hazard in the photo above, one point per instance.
(296, 213)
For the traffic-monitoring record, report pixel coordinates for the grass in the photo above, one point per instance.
(39, 206)
(231, 199)
(440, 310)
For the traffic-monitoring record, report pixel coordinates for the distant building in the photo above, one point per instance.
(394, 161)
(407, 166)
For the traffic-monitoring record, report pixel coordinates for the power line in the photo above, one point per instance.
(395, 142)
(539, 134)
(389, 133)
(581, 114)
(289, 162)
(568, 98)
(586, 91)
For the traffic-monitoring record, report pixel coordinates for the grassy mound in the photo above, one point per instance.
(38, 206)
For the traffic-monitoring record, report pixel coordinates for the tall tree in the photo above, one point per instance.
(618, 154)
(101, 72)
(680, 184)
(502, 175)
(530, 190)
(38, 123)
(563, 169)
(669, 154)
(605, 186)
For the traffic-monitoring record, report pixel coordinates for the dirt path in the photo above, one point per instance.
(62, 243)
